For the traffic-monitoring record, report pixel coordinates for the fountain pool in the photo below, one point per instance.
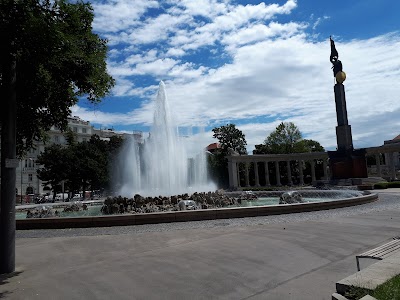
(266, 204)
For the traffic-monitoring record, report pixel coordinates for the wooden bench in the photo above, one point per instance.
(380, 252)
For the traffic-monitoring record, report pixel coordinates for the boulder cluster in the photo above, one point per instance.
(41, 212)
(140, 204)
(48, 212)
(290, 198)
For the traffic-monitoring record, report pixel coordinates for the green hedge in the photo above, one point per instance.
(381, 185)
(385, 185)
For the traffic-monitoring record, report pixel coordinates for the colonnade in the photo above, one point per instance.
(238, 162)
(389, 154)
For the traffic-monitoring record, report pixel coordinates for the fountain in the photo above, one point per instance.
(161, 165)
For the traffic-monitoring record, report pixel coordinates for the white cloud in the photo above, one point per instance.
(117, 15)
(273, 72)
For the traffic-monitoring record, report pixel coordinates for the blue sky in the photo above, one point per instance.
(251, 63)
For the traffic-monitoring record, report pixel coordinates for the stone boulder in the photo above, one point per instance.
(290, 198)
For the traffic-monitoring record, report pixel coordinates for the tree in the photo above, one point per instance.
(286, 139)
(230, 139)
(58, 58)
(56, 167)
(51, 46)
(80, 165)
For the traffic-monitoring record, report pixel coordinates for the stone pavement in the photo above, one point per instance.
(288, 260)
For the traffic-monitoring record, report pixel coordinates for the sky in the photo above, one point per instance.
(250, 63)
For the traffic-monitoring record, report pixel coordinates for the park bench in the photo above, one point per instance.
(380, 252)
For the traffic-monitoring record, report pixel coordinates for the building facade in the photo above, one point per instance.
(27, 182)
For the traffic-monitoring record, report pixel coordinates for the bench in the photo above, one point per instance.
(380, 252)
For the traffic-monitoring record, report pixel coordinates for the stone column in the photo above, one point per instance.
(278, 174)
(301, 164)
(267, 182)
(247, 174)
(343, 130)
(392, 166)
(232, 171)
(313, 171)
(238, 174)
(289, 173)
(256, 174)
(325, 166)
(378, 164)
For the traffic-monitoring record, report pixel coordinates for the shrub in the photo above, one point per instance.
(381, 185)
(394, 184)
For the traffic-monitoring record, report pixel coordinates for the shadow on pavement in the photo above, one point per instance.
(4, 280)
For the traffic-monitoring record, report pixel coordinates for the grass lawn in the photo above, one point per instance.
(390, 290)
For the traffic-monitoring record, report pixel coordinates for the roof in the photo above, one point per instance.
(213, 146)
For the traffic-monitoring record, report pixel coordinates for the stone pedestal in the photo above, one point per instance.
(348, 164)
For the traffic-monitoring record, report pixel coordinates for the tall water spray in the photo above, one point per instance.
(161, 166)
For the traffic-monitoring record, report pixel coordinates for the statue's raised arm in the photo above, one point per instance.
(334, 58)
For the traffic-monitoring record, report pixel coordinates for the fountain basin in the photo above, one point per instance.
(348, 198)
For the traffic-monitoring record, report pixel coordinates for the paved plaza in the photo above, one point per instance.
(297, 256)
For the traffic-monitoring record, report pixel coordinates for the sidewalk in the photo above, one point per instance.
(299, 260)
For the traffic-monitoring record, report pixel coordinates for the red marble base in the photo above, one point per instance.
(344, 165)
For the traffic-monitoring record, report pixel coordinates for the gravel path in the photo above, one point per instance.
(387, 201)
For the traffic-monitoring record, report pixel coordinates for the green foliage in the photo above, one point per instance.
(230, 138)
(386, 185)
(80, 165)
(55, 158)
(59, 59)
(286, 139)
(394, 184)
(355, 293)
(381, 185)
(283, 139)
(390, 290)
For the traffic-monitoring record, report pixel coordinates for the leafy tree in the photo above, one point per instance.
(51, 46)
(81, 165)
(306, 145)
(285, 139)
(55, 160)
(58, 58)
(230, 139)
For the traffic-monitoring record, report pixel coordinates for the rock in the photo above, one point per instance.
(290, 198)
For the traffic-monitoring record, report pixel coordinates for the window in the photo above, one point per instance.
(75, 129)
(83, 130)
(56, 138)
(30, 176)
(26, 163)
